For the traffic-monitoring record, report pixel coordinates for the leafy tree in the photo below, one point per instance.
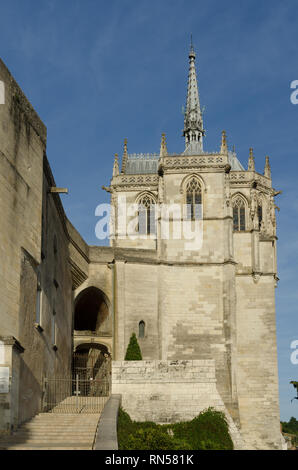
(133, 352)
(291, 427)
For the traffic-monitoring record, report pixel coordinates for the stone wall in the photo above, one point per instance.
(169, 391)
(22, 145)
(37, 244)
(48, 340)
(257, 378)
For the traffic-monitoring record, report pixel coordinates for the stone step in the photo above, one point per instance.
(61, 425)
(45, 421)
(54, 431)
(65, 415)
(26, 440)
(50, 431)
(90, 417)
(48, 437)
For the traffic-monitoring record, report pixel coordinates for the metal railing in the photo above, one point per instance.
(75, 395)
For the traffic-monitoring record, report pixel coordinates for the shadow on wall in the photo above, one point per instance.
(30, 394)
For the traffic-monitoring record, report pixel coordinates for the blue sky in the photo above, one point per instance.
(98, 71)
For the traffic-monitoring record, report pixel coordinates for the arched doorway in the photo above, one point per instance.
(92, 368)
(92, 312)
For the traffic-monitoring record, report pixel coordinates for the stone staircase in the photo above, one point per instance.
(54, 431)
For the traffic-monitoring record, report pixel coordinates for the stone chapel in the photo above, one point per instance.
(203, 312)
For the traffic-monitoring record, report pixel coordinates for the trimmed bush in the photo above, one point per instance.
(133, 352)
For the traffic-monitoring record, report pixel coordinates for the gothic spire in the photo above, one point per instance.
(193, 121)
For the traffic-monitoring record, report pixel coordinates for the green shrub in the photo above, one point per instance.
(208, 431)
(128, 428)
(133, 352)
(154, 439)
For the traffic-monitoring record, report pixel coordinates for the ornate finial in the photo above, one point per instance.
(124, 158)
(116, 166)
(163, 146)
(267, 170)
(251, 160)
(224, 147)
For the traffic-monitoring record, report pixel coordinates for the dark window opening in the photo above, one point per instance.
(142, 329)
(260, 215)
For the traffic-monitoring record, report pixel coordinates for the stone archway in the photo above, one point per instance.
(92, 365)
(92, 340)
(92, 312)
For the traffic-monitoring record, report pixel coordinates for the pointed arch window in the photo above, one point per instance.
(194, 199)
(239, 215)
(146, 215)
(142, 329)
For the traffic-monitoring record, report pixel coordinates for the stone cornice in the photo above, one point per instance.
(134, 181)
(207, 162)
(246, 178)
(249, 273)
(125, 188)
